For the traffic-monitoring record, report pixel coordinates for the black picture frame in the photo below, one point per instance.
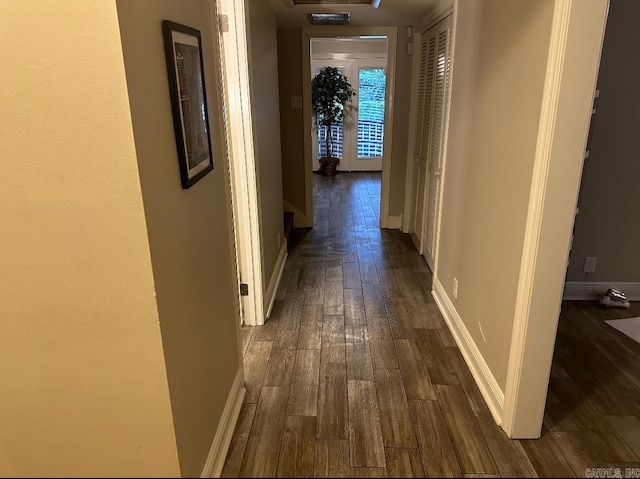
(185, 70)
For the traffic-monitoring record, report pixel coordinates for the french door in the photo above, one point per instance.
(428, 143)
(359, 139)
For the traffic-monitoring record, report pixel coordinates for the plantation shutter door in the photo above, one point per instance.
(421, 94)
(423, 127)
(429, 99)
(440, 95)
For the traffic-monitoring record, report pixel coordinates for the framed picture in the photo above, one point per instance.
(185, 68)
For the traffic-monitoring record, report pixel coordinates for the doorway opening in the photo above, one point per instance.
(367, 56)
(359, 138)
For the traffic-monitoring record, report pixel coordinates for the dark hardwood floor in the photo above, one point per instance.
(357, 375)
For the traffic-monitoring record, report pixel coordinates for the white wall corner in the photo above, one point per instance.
(394, 222)
(222, 440)
(276, 276)
(491, 391)
(590, 290)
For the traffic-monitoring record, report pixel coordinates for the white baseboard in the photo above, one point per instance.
(394, 222)
(221, 441)
(299, 218)
(586, 290)
(491, 391)
(272, 289)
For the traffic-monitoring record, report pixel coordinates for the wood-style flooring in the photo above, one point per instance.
(357, 375)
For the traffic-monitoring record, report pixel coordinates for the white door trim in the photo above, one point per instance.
(574, 51)
(335, 31)
(239, 130)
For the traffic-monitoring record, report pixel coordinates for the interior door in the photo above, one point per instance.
(367, 114)
(428, 149)
(439, 119)
(341, 148)
(422, 137)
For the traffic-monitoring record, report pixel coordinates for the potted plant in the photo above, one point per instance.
(330, 91)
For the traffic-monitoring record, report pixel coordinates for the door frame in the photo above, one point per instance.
(577, 35)
(242, 164)
(350, 133)
(330, 31)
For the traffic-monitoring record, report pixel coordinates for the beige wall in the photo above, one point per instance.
(291, 119)
(84, 388)
(607, 225)
(499, 56)
(189, 230)
(263, 78)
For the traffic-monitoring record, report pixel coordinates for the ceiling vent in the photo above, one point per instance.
(335, 2)
(329, 18)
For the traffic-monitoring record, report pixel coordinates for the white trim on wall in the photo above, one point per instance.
(589, 290)
(274, 282)
(489, 387)
(239, 130)
(221, 441)
(336, 31)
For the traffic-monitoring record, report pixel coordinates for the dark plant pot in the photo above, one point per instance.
(328, 166)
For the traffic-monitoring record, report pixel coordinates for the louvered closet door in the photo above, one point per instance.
(421, 140)
(436, 151)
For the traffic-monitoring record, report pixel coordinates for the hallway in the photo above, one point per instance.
(357, 375)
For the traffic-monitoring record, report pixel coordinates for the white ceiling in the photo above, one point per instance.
(388, 13)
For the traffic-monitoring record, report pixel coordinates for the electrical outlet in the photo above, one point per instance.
(455, 288)
(589, 264)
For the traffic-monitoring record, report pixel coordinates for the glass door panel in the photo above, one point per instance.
(371, 83)
(371, 112)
